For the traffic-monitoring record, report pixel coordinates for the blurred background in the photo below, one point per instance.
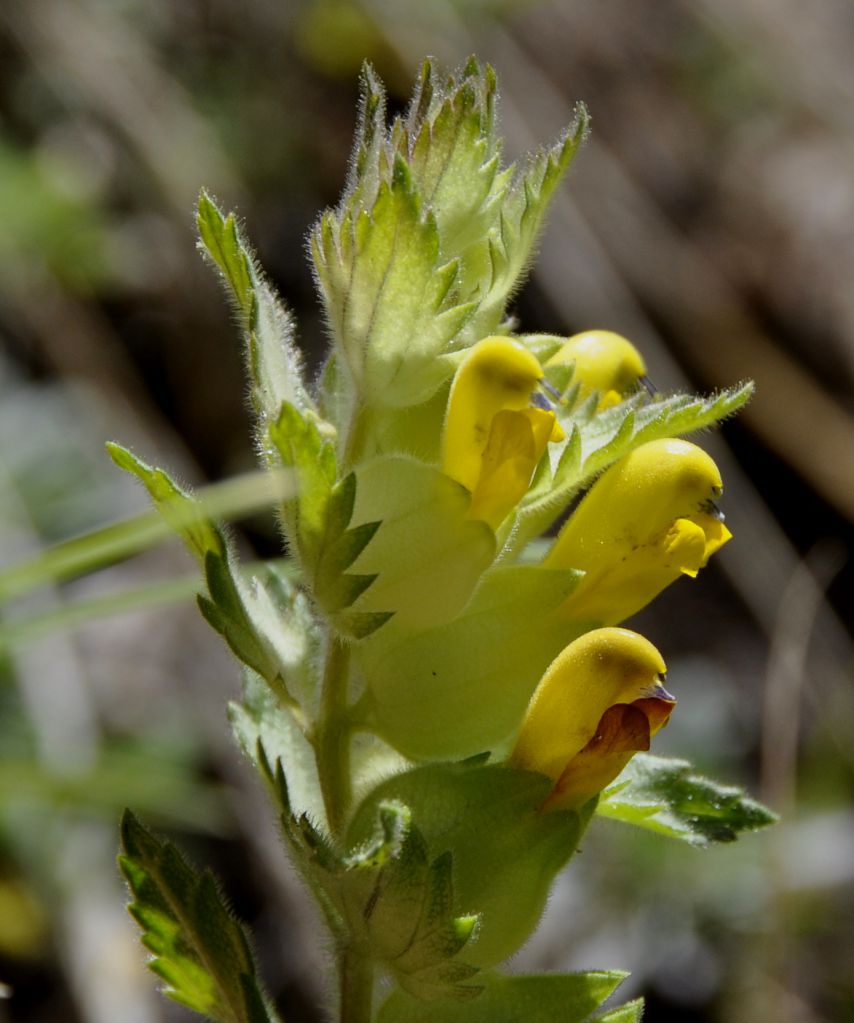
(710, 218)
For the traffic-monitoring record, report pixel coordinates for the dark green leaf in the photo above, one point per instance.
(664, 796)
(200, 949)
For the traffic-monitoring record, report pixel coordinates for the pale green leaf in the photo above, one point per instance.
(631, 1012)
(427, 555)
(535, 998)
(260, 718)
(505, 853)
(480, 669)
(508, 248)
(597, 440)
(273, 359)
(389, 295)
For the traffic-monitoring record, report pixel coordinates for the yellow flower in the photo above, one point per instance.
(598, 703)
(495, 433)
(603, 362)
(649, 519)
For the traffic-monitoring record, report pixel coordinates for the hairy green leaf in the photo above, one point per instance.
(631, 1012)
(596, 440)
(506, 250)
(317, 521)
(534, 998)
(260, 719)
(388, 293)
(178, 508)
(432, 236)
(200, 950)
(230, 605)
(664, 796)
(273, 359)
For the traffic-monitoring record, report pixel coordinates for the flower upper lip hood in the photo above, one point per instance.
(649, 519)
(604, 362)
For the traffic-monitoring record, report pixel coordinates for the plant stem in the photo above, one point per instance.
(356, 435)
(357, 987)
(332, 737)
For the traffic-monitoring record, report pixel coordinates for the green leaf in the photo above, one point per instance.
(230, 605)
(505, 852)
(200, 950)
(221, 241)
(317, 520)
(268, 734)
(389, 295)
(596, 440)
(480, 669)
(534, 998)
(300, 446)
(431, 237)
(631, 1012)
(454, 154)
(370, 153)
(663, 795)
(427, 555)
(506, 250)
(273, 359)
(178, 508)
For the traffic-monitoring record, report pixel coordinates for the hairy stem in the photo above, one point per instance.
(332, 738)
(357, 986)
(356, 435)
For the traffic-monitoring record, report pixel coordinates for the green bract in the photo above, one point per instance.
(422, 633)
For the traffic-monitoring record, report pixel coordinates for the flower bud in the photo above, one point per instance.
(599, 702)
(494, 432)
(603, 362)
(649, 519)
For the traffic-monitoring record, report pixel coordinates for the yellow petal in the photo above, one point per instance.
(516, 444)
(498, 374)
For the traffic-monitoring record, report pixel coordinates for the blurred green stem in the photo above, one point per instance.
(357, 986)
